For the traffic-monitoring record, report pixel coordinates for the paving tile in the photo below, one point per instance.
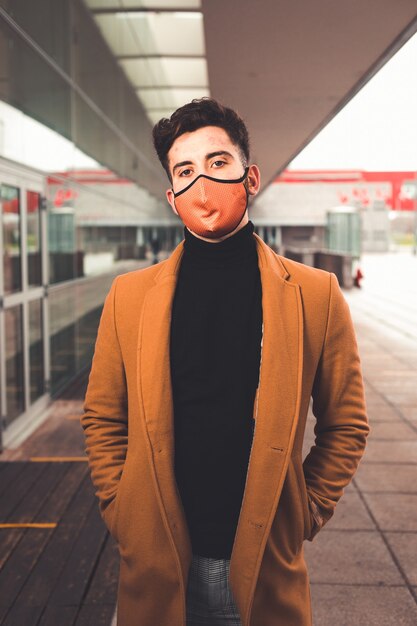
(380, 360)
(393, 511)
(345, 605)
(401, 385)
(350, 557)
(397, 375)
(374, 399)
(386, 477)
(404, 546)
(393, 431)
(350, 513)
(409, 412)
(403, 399)
(382, 413)
(400, 452)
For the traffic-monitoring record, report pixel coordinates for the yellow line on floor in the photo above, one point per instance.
(30, 525)
(57, 459)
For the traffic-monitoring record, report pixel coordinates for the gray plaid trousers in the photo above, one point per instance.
(209, 597)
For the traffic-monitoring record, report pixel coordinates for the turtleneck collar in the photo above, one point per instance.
(231, 251)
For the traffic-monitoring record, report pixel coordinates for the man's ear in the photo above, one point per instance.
(253, 180)
(170, 197)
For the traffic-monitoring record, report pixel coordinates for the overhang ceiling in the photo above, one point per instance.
(159, 45)
(287, 66)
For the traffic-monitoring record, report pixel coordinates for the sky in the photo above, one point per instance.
(377, 129)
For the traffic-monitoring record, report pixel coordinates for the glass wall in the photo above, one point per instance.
(101, 193)
(23, 375)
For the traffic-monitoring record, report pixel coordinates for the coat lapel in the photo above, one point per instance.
(276, 412)
(279, 397)
(155, 391)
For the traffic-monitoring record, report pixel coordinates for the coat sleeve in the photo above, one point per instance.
(105, 421)
(339, 406)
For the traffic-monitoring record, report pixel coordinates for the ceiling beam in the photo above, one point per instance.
(112, 11)
(128, 57)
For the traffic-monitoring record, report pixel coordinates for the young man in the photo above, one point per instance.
(196, 406)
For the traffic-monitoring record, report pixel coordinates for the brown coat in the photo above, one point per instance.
(309, 350)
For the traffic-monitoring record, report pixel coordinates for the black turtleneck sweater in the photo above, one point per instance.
(215, 348)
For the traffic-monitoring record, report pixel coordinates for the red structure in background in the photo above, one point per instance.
(402, 197)
(403, 185)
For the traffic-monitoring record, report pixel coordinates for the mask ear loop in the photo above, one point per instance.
(242, 180)
(245, 181)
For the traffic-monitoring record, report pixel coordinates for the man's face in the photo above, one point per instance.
(210, 151)
(207, 150)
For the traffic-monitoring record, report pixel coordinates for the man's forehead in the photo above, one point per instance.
(200, 143)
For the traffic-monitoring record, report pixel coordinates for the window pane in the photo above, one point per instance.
(10, 216)
(15, 402)
(34, 239)
(36, 357)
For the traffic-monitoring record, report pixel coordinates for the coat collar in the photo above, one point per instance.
(276, 410)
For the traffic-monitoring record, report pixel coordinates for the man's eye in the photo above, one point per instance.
(185, 172)
(218, 163)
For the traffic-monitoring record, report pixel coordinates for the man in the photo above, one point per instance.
(196, 406)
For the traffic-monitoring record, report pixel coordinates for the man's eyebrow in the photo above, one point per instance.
(181, 164)
(210, 155)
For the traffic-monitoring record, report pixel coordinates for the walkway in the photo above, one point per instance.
(362, 565)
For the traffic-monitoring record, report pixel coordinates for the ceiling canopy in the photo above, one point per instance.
(287, 66)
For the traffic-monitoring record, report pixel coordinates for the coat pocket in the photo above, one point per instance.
(115, 504)
(302, 485)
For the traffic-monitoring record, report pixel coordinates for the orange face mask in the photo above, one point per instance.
(212, 207)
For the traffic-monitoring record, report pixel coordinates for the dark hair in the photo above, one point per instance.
(194, 115)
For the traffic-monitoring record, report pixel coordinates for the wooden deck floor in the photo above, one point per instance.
(58, 564)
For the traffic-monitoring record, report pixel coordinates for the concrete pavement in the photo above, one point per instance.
(363, 565)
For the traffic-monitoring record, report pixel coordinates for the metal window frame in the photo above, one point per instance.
(25, 180)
